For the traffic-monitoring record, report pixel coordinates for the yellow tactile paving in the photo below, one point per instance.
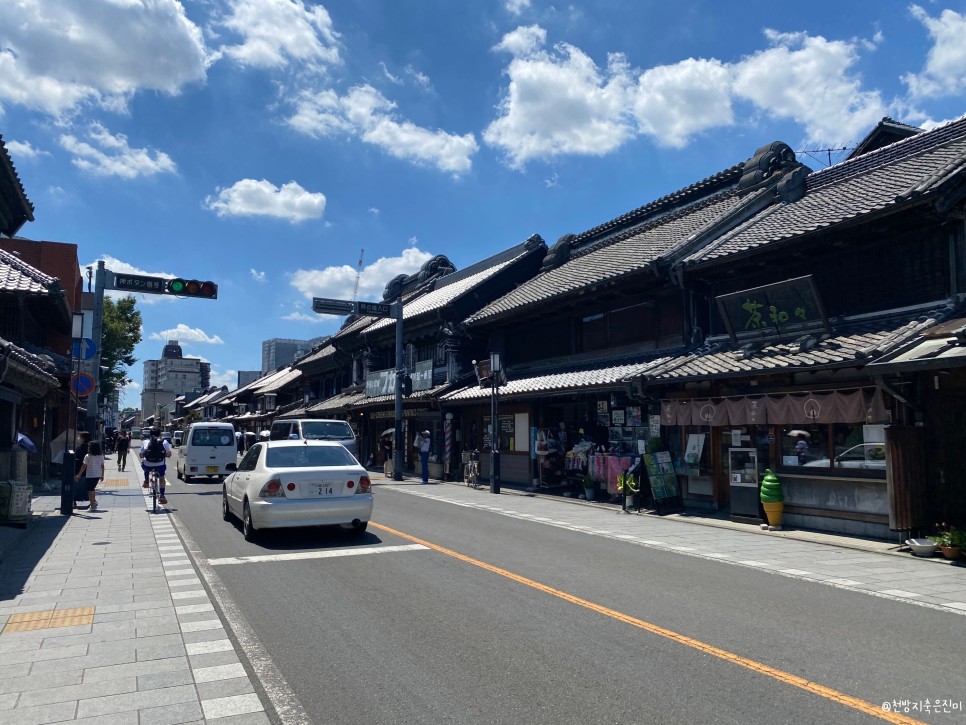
(48, 619)
(113, 483)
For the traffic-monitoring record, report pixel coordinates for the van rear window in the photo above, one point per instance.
(331, 430)
(212, 437)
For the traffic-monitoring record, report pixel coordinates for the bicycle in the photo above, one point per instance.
(471, 470)
(153, 480)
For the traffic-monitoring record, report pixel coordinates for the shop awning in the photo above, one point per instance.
(600, 378)
(939, 348)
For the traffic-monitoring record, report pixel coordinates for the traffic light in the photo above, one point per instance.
(192, 288)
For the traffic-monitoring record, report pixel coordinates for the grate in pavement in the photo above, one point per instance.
(48, 619)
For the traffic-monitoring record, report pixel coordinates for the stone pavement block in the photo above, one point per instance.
(159, 652)
(206, 635)
(158, 680)
(136, 701)
(227, 706)
(55, 712)
(18, 646)
(118, 718)
(212, 659)
(217, 689)
(7, 702)
(171, 714)
(218, 672)
(200, 648)
(58, 679)
(136, 669)
(193, 617)
(19, 670)
(201, 625)
(77, 692)
(183, 609)
(252, 718)
(105, 659)
(153, 628)
(50, 653)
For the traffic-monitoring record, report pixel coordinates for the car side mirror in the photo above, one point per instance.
(231, 467)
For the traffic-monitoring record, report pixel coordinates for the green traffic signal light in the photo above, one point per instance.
(192, 288)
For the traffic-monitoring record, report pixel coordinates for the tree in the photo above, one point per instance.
(120, 332)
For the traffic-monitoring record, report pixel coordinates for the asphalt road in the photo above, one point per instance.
(499, 620)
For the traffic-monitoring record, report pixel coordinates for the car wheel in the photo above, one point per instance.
(178, 474)
(186, 478)
(225, 510)
(360, 528)
(248, 528)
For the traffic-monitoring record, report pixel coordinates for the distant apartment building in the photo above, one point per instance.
(248, 376)
(174, 374)
(277, 352)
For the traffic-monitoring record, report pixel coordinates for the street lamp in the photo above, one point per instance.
(491, 372)
(67, 476)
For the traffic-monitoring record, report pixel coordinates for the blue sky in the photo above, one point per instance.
(264, 144)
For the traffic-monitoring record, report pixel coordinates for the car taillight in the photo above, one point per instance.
(272, 489)
(364, 485)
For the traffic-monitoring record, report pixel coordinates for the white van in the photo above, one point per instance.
(206, 450)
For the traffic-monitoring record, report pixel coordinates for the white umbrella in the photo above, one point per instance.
(803, 433)
(386, 432)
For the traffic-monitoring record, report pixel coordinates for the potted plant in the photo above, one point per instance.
(950, 540)
(590, 486)
(627, 485)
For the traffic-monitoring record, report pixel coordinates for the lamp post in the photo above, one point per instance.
(67, 476)
(495, 375)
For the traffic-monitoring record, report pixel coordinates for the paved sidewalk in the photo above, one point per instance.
(870, 567)
(103, 619)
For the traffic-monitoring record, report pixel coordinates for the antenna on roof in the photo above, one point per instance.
(827, 151)
(355, 290)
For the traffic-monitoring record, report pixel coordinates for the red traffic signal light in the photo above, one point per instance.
(192, 288)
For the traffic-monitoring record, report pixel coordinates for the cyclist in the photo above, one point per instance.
(153, 453)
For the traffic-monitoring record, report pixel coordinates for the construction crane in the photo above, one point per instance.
(355, 290)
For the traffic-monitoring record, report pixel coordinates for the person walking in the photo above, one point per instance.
(153, 453)
(424, 443)
(92, 470)
(122, 446)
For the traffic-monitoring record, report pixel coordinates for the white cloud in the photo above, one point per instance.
(339, 282)
(419, 78)
(367, 114)
(228, 378)
(305, 317)
(389, 76)
(672, 102)
(106, 154)
(184, 334)
(945, 69)
(516, 7)
(278, 32)
(23, 150)
(559, 102)
(262, 198)
(258, 276)
(806, 79)
(57, 55)
(523, 41)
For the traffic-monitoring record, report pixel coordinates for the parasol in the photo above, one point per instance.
(388, 431)
(797, 432)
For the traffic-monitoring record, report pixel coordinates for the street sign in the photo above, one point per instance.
(136, 283)
(326, 306)
(82, 384)
(83, 349)
(374, 309)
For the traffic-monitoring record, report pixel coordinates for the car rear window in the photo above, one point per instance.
(308, 457)
(336, 430)
(212, 437)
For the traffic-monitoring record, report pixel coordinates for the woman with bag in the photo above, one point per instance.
(92, 469)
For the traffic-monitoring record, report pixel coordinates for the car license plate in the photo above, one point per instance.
(211, 469)
(319, 489)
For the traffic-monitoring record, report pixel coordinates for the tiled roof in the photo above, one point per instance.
(279, 382)
(425, 394)
(940, 347)
(887, 177)
(16, 209)
(36, 367)
(320, 354)
(560, 382)
(18, 276)
(446, 289)
(336, 402)
(855, 343)
(623, 254)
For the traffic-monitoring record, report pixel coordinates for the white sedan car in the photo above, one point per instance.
(290, 483)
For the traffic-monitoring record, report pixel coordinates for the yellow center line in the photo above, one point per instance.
(789, 679)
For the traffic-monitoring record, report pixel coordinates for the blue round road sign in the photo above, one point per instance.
(84, 348)
(82, 384)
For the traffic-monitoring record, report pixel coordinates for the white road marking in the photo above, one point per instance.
(330, 554)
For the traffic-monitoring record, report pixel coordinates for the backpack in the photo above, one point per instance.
(154, 453)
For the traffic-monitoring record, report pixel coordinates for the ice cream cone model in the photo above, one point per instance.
(772, 499)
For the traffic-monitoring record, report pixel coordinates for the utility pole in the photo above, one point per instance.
(100, 279)
(397, 453)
